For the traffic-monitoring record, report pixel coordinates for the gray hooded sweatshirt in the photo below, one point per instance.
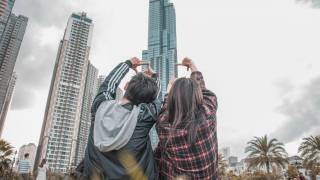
(114, 125)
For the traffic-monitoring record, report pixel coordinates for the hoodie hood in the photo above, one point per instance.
(114, 125)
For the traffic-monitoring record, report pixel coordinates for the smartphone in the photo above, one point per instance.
(145, 63)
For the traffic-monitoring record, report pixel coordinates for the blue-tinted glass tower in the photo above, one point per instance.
(162, 45)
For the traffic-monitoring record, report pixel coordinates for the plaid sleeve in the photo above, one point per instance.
(210, 103)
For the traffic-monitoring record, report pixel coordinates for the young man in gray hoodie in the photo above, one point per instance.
(119, 146)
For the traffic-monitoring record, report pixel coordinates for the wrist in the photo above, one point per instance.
(129, 63)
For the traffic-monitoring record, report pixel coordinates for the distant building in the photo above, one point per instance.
(90, 90)
(119, 92)
(5, 11)
(225, 152)
(162, 46)
(162, 41)
(101, 79)
(11, 40)
(240, 167)
(60, 128)
(31, 149)
(232, 161)
(296, 161)
(7, 102)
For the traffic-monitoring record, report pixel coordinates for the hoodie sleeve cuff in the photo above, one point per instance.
(128, 62)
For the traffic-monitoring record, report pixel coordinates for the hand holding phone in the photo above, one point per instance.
(187, 62)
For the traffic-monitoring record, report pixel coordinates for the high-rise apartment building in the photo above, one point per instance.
(226, 152)
(7, 101)
(90, 92)
(5, 11)
(101, 79)
(162, 46)
(119, 92)
(9, 50)
(58, 139)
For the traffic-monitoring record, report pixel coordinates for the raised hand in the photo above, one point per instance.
(187, 62)
(149, 72)
(135, 63)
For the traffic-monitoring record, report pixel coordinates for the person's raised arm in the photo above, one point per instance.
(210, 103)
(107, 91)
(154, 106)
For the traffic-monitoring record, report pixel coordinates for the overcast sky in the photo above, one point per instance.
(261, 58)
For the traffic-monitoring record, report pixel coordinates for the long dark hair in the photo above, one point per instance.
(185, 106)
(43, 162)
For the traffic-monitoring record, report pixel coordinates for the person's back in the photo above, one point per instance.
(119, 146)
(24, 167)
(187, 131)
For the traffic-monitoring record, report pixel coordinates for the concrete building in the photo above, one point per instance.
(297, 161)
(162, 46)
(7, 101)
(91, 87)
(232, 161)
(101, 79)
(5, 11)
(119, 92)
(239, 167)
(31, 149)
(9, 50)
(58, 138)
(225, 152)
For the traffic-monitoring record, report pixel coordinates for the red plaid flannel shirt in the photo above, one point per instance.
(175, 156)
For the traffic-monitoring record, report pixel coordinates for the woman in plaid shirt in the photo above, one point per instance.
(187, 130)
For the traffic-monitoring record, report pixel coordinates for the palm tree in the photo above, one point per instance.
(264, 153)
(310, 152)
(6, 151)
(222, 165)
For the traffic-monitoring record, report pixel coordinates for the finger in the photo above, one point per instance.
(140, 62)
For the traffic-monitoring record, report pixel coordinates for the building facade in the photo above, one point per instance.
(90, 90)
(31, 149)
(225, 151)
(7, 101)
(162, 46)
(5, 12)
(58, 139)
(162, 41)
(119, 92)
(9, 49)
(232, 161)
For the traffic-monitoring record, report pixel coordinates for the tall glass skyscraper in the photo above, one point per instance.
(59, 134)
(9, 49)
(162, 41)
(162, 45)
